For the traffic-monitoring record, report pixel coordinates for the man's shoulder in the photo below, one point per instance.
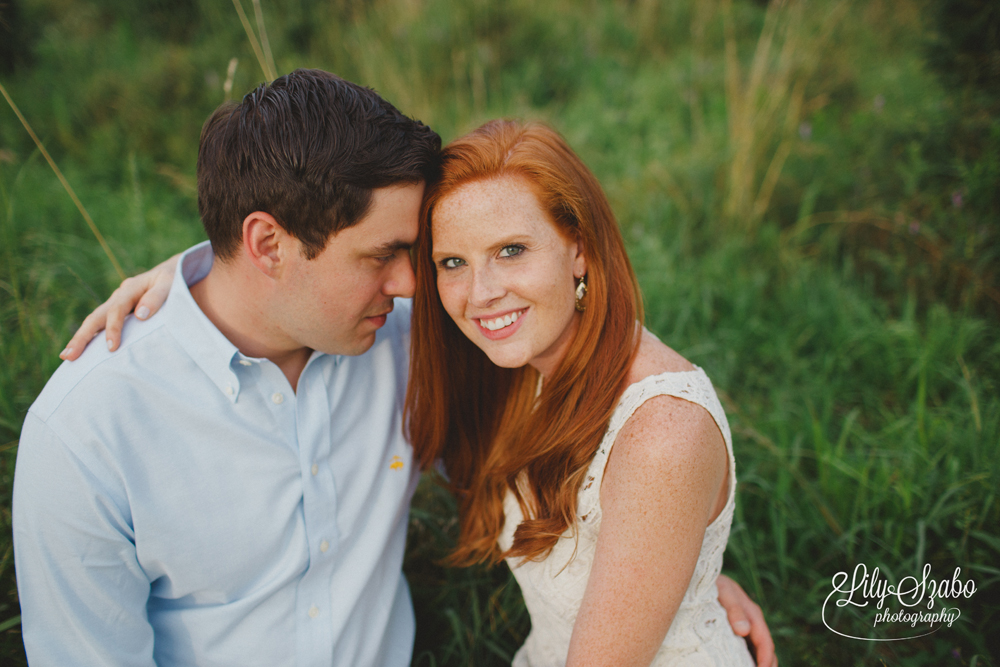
(98, 366)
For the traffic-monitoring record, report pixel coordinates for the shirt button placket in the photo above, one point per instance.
(312, 419)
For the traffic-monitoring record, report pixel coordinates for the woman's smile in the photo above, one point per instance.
(496, 327)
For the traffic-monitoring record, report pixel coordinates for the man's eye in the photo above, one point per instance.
(511, 250)
(384, 260)
(452, 263)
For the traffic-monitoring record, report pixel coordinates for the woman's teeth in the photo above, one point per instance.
(501, 322)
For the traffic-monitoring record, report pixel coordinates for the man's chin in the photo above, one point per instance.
(365, 332)
(366, 344)
(361, 344)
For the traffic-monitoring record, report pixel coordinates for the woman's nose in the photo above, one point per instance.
(486, 287)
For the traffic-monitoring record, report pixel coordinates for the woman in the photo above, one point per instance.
(591, 456)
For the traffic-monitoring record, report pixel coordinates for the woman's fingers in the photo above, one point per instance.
(151, 295)
(90, 327)
(732, 596)
(760, 637)
(110, 315)
(116, 314)
(155, 296)
(747, 620)
(145, 293)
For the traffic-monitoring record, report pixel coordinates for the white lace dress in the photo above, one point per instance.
(700, 635)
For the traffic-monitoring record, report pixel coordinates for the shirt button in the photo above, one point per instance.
(313, 611)
(278, 398)
(314, 469)
(323, 546)
(229, 389)
(244, 362)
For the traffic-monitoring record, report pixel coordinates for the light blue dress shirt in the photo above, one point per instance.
(176, 503)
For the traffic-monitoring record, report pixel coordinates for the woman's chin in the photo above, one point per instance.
(506, 360)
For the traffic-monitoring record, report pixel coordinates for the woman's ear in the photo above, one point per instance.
(580, 261)
(264, 242)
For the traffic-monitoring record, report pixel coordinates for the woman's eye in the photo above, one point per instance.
(511, 250)
(452, 263)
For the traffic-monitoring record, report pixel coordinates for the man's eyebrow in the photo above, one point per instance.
(390, 247)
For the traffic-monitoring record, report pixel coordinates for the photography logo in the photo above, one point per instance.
(916, 604)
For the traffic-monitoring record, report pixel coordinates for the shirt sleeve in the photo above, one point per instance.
(83, 593)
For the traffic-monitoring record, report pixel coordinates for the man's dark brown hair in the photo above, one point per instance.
(308, 148)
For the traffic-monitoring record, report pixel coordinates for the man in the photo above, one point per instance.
(232, 486)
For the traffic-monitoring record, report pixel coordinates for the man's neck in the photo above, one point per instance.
(228, 299)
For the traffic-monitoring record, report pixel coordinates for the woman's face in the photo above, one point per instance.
(506, 274)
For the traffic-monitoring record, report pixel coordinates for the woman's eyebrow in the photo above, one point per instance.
(438, 255)
(514, 239)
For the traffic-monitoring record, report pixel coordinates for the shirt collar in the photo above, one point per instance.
(193, 331)
(207, 346)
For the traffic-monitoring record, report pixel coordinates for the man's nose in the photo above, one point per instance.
(402, 282)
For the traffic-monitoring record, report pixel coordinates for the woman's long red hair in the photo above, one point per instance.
(484, 422)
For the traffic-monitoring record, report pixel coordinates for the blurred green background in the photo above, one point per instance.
(810, 192)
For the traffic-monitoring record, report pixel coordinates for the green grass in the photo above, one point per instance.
(828, 256)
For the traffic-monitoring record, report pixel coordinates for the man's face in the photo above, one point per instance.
(336, 302)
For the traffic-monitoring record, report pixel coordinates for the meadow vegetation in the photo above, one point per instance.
(810, 192)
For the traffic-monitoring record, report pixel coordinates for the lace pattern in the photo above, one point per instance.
(700, 635)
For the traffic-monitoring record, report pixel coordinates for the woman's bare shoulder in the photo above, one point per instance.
(655, 357)
(670, 449)
(669, 446)
(665, 428)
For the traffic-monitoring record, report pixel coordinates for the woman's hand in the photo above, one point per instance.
(747, 620)
(145, 293)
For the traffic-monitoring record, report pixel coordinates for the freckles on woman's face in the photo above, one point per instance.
(506, 273)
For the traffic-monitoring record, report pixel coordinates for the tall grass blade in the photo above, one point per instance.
(227, 86)
(973, 400)
(265, 45)
(66, 185)
(268, 72)
(803, 482)
(767, 105)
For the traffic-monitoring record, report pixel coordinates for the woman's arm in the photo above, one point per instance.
(661, 489)
(145, 293)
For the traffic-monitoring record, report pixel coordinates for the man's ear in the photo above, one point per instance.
(265, 242)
